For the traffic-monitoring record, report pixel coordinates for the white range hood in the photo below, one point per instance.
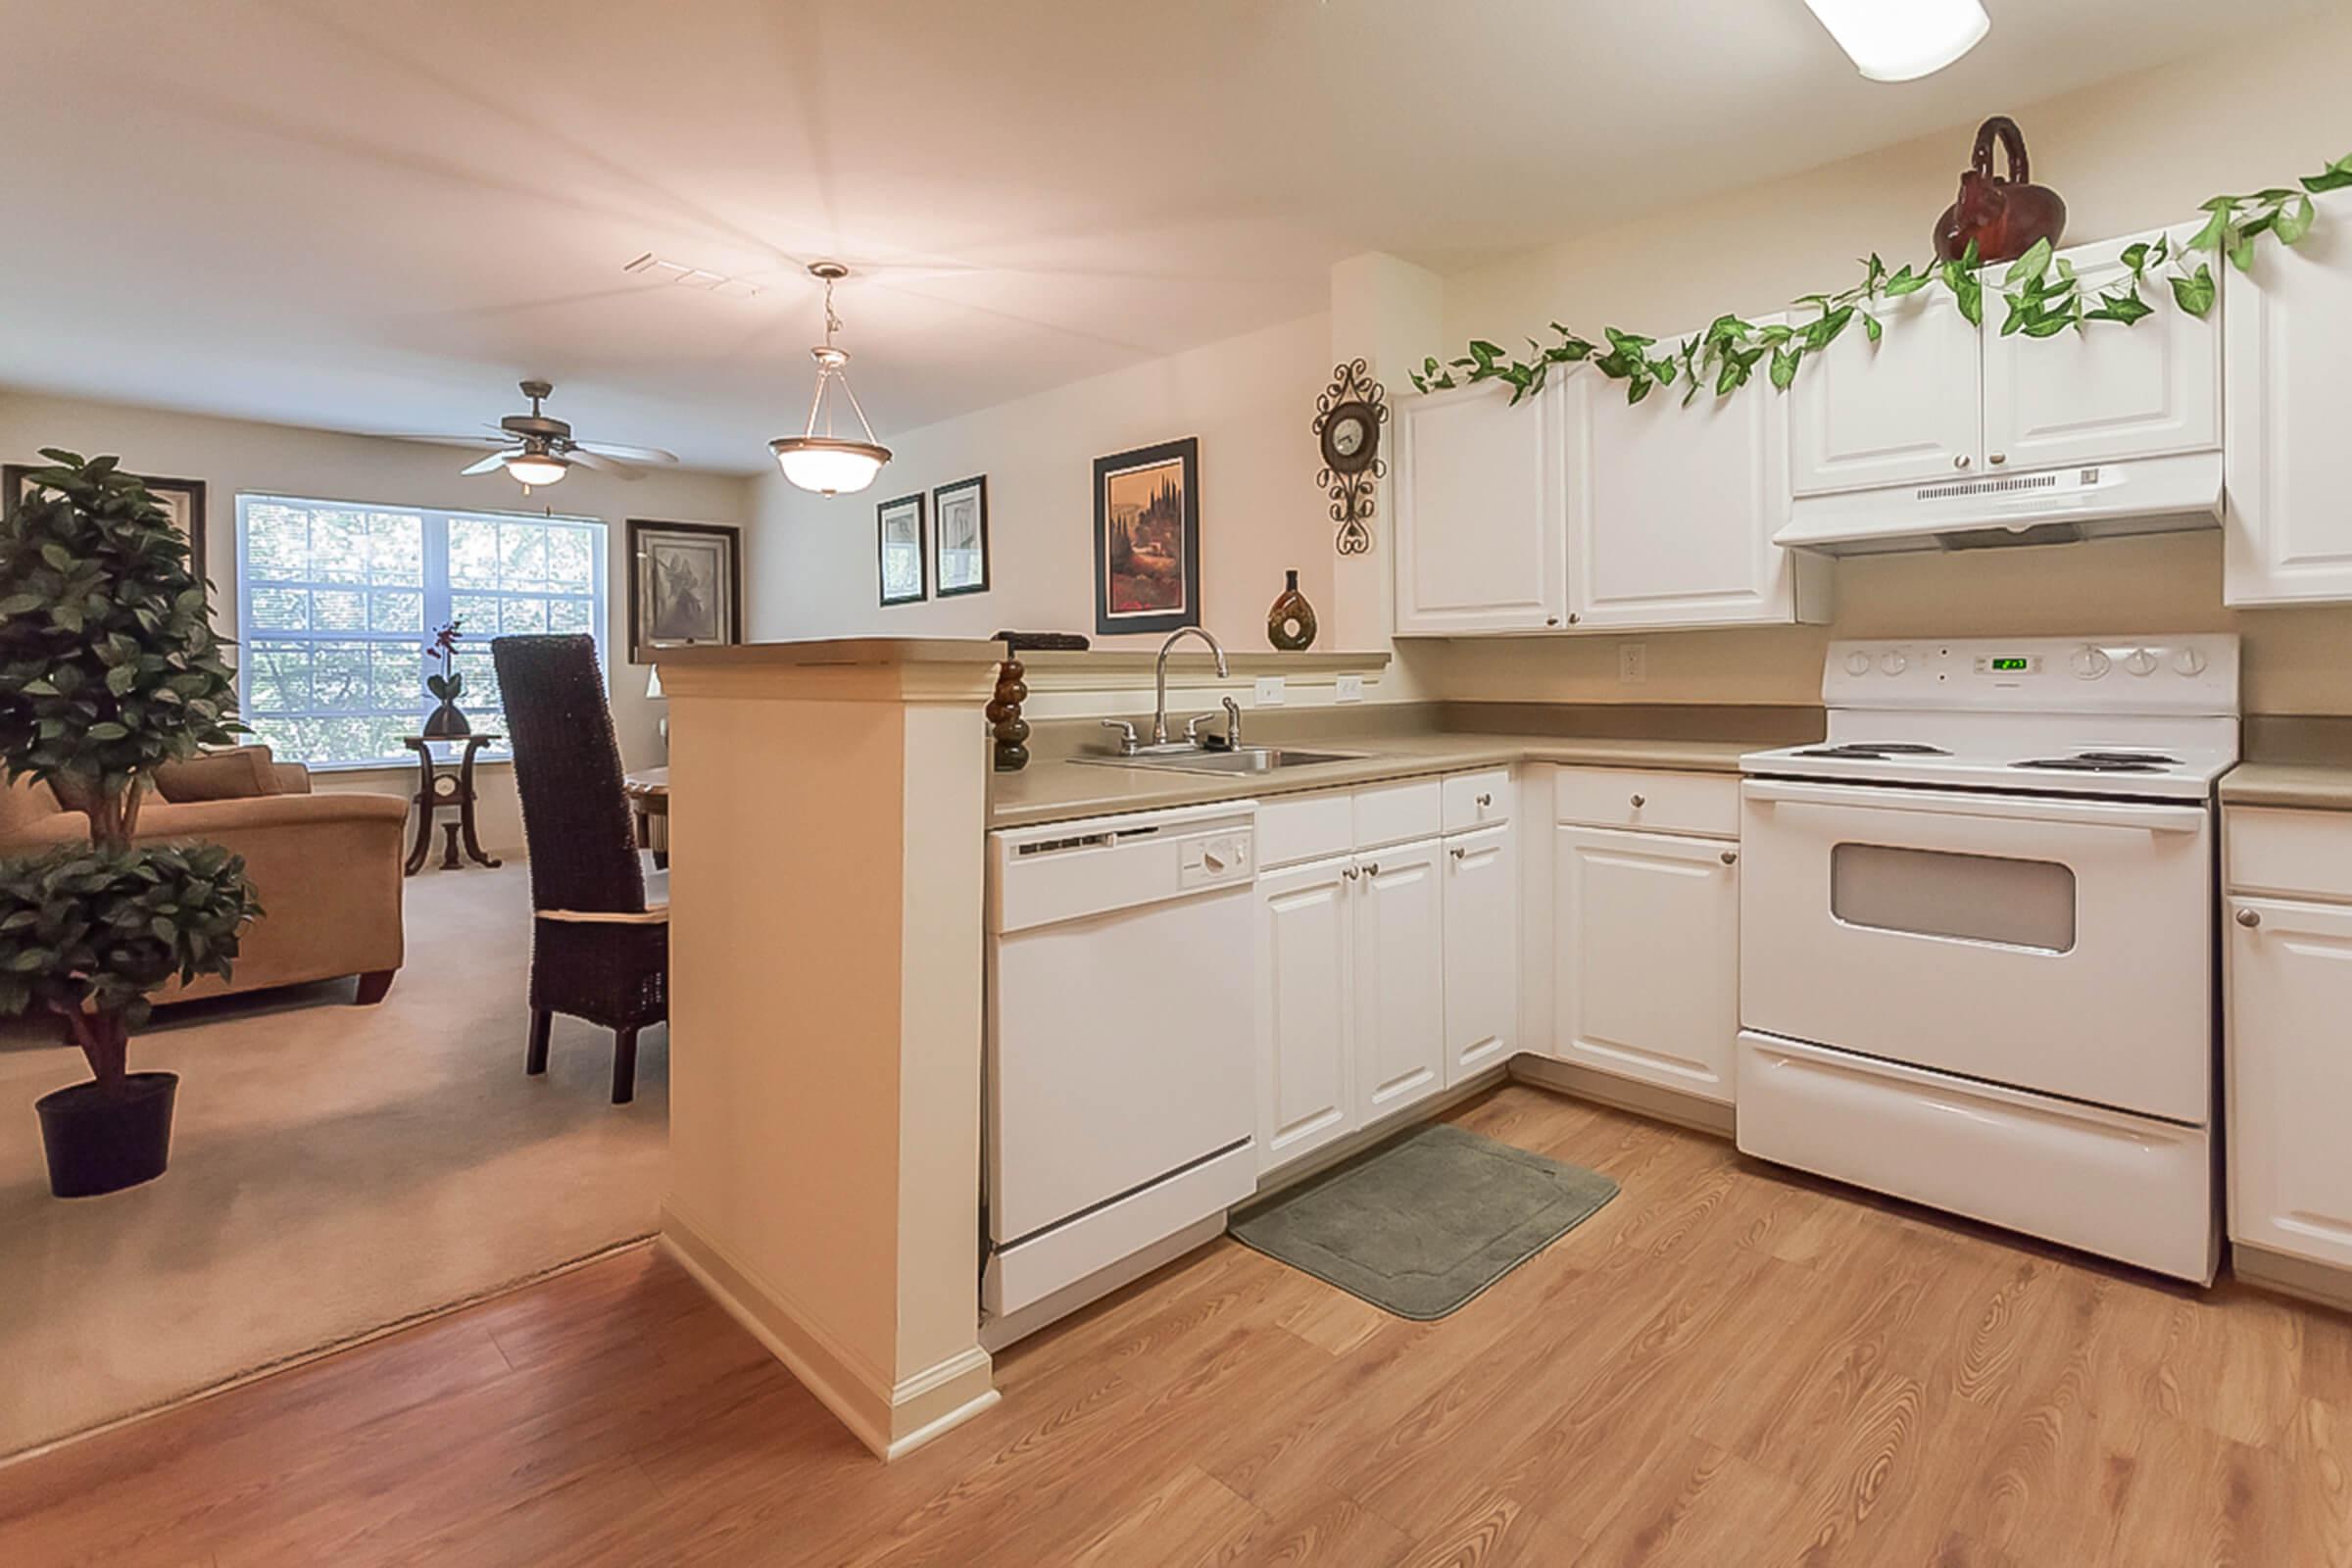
(2047, 506)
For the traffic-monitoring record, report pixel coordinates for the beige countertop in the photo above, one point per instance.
(1053, 790)
(2313, 786)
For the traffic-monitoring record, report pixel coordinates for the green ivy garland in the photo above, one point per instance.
(2039, 288)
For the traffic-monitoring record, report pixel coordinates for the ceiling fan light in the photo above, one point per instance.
(1902, 40)
(536, 468)
(826, 466)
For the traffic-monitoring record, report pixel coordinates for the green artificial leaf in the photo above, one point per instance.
(2135, 256)
(2294, 221)
(1784, 367)
(2216, 231)
(1873, 326)
(1907, 282)
(2125, 306)
(1971, 295)
(2335, 176)
(2032, 263)
(2196, 293)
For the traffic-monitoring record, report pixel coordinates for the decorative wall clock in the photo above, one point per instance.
(1349, 415)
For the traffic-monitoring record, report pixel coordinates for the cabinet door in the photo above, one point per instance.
(1482, 951)
(1479, 510)
(1306, 1008)
(2291, 1078)
(1645, 934)
(2288, 331)
(1903, 409)
(1673, 520)
(1400, 978)
(2107, 393)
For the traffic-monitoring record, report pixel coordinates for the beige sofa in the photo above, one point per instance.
(326, 868)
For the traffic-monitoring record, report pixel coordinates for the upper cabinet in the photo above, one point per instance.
(2288, 528)
(1672, 509)
(1479, 511)
(1908, 408)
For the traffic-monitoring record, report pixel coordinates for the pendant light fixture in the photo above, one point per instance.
(829, 465)
(1902, 40)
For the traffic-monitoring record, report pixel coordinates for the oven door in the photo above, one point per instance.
(2063, 946)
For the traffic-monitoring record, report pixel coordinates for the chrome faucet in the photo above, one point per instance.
(1159, 707)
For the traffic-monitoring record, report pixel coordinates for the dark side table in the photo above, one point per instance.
(436, 789)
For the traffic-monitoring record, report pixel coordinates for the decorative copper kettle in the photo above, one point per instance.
(2004, 216)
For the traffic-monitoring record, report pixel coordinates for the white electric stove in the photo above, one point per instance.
(1976, 954)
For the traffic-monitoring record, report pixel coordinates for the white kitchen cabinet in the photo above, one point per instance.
(1478, 509)
(1646, 943)
(1906, 408)
(1400, 978)
(1482, 951)
(2107, 393)
(1672, 509)
(2288, 326)
(1307, 1009)
(2291, 1077)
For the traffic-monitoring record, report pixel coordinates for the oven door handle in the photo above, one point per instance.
(2151, 818)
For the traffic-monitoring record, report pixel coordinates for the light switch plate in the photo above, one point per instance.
(1270, 691)
(1633, 663)
(1348, 689)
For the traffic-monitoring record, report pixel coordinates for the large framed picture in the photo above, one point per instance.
(1148, 538)
(181, 499)
(899, 527)
(959, 526)
(685, 586)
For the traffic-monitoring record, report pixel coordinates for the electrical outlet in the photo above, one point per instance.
(1269, 692)
(1633, 663)
(1348, 689)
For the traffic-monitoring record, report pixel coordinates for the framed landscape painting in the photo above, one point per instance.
(181, 499)
(685, 586)
(959, 526)
(1148, 538)
(899, 526)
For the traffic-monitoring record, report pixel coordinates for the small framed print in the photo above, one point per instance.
(183, 500)
(959, 526)
(685, 586)
(1148, 538)
(899, 527)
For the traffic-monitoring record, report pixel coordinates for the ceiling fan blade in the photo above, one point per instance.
(602, 464)
(495, 461)
(626, 454)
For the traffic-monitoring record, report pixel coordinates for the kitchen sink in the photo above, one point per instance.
(1248, 759)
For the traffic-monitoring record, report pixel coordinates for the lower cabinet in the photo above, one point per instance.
(1306, 1007)
(1645, 941)
(1482, 951)
(1400, 978)
(2289, 1077)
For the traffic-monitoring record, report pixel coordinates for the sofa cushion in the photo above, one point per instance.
(239, 774)
(22, 802)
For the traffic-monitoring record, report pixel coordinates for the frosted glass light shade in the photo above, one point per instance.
(536, 468)
(826, 466)
(1902, 40)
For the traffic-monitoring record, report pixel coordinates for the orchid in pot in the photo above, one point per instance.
(109, 668)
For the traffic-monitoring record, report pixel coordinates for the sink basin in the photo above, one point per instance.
(1249, 760)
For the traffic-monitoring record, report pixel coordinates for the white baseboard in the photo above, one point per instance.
(2297, 1277)
(1624, 1094)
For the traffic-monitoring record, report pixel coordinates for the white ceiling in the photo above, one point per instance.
(380, 217)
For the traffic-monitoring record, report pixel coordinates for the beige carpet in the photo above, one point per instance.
(335, 1169)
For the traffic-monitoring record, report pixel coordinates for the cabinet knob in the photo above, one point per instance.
(1999, 457)
(1371, 868)
(1960, 462)
(1574, 617)
(1552, 621)
(2249, 919)
(1460, 854)
(1640, 801)
(1351, 873)
(1731, 857)
(1486, 800)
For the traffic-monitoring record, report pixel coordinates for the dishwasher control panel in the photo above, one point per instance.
(1205, 859)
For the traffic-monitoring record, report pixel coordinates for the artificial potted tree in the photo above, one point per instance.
(109, 668)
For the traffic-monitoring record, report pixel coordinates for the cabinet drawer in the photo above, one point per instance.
(1705, 804)
(2283, 851)
(1478, 800)
(1391, 813)
(1293, 828)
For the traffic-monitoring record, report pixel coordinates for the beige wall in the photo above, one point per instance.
(1249, 399)
(2131, 154)
(234, 455)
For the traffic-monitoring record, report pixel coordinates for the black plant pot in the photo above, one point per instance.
(102, 1141)
(446, 723)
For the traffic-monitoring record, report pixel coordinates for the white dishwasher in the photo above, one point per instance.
(1121, 1039)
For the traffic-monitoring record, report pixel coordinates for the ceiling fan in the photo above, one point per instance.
(536, 448)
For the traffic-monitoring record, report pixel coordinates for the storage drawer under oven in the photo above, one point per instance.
(2056, 945)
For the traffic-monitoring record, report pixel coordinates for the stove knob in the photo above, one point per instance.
(2090, 663)
(1857, 663)
(2190, 661)
(1893, 663)
(2139, 661)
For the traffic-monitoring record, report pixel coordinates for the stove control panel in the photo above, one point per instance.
(2194, 673)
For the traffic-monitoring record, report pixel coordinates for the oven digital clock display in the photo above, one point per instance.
(2008, 664)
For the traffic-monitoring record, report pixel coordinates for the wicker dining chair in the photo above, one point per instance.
(597, 952)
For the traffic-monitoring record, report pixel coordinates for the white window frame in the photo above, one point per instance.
(438, 595)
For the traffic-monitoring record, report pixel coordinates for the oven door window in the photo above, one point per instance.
(1967, 898)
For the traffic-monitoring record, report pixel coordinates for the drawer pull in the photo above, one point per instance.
(2249, 919)
(1640, 801)
(1486, 800)
(1460, 854)
(1731, 857)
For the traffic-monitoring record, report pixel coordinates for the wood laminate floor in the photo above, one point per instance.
(1725, 1366)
